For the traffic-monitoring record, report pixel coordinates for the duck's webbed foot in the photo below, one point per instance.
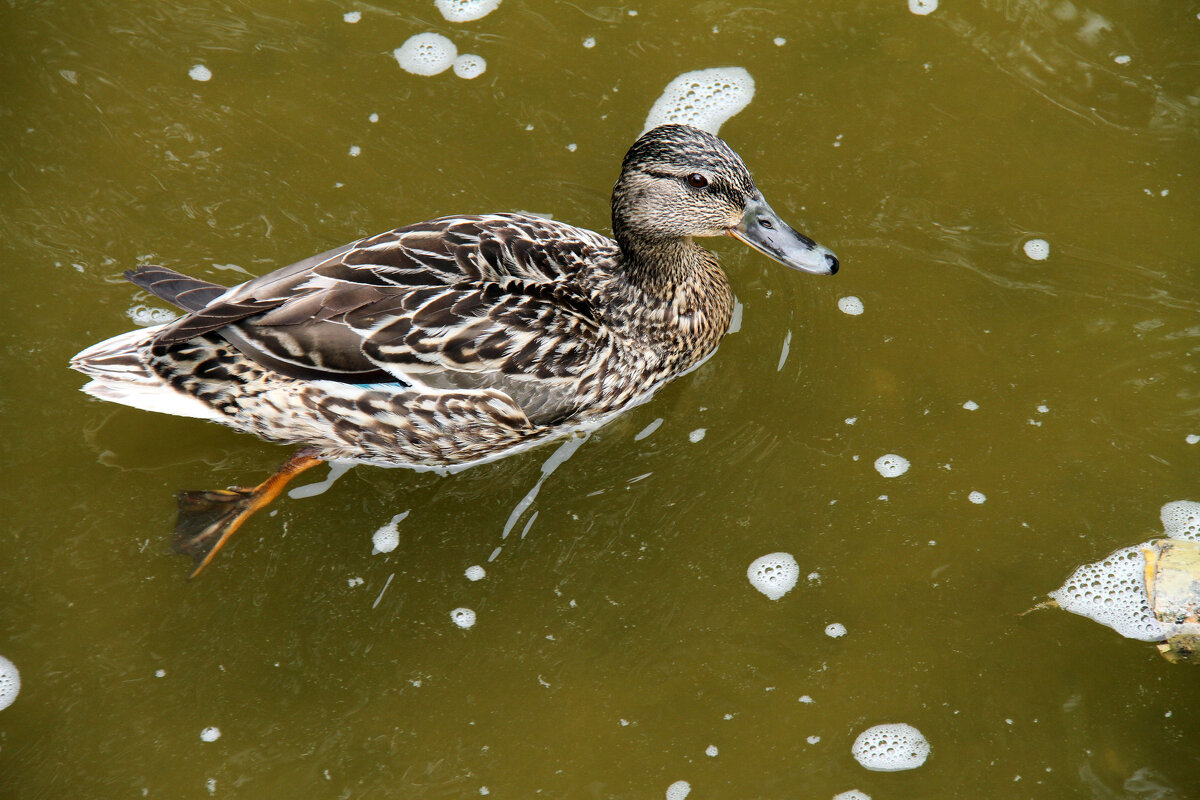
(208, 518)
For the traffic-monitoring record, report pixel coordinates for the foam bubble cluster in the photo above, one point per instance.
(426, 54)
(200, 73)
(922, 7)
(469, 66)
(1181, 520)
(210, 734)
(387, 538)
(853, 794)
(475, 573)
(679, 790)
(1113, 593)
(463, 617)
(1037, 249)
(466, 10)
(891, 465)
(10, 683)
(705, 98)
(850, 305)
(835, 630)
(145, 316)
(890, 748)
(774, 574)
(977, 497)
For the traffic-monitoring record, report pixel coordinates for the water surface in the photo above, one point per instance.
(617, 636)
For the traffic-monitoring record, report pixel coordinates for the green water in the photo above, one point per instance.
(617, 635)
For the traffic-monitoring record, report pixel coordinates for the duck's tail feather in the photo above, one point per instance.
(119, 374)
(190, 294)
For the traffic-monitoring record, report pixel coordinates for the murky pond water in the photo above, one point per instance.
(618, 646)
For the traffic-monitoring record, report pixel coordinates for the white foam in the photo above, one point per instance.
(891, 465)
(148, 315)
(922, 7)
(210, 734)
(463, 617)
(200, 73)
(355, 151)
(1113, 593)
(649, 429)
(977, 497)
(352, 16)
(426, 54)
(466, 10)
(711, 751)
(835, 630)
(589, 42)
(971, 405)
(697, 435)
(773, 574)
(475, 573)
(469, 66)
(779, 41)
(850, 305)
(678, 790)
(1122, 59)
(336, 470)
(1192, 438)
(890, 748)
(10, 682)
(1037, 249)
(387, 538)
(705, 98)
(853, 794)
(1181, 520)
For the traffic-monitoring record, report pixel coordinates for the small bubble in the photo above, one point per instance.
(977, 497)
(352, 16)
(971, 405)
(200, 73)
(850, 305)
(463, 617)
(210, 734)
(589, 42)
(891, 465)
(835, 630)
(1037, 249)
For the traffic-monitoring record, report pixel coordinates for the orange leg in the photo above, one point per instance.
(208, 518)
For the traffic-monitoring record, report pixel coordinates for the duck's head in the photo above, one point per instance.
(678, 182)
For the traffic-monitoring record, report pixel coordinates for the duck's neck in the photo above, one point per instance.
(661, 266)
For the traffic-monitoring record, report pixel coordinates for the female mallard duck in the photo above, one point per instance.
(456, 341)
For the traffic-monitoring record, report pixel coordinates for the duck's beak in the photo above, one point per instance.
(762, 229)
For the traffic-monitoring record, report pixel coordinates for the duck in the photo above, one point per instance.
(456, 341)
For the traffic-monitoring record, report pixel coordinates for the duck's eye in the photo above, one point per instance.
(697, 181)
